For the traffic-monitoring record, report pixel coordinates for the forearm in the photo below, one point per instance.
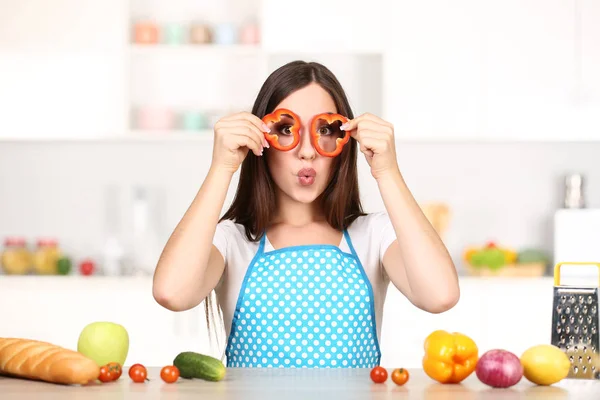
(427, 267)
(181, 270)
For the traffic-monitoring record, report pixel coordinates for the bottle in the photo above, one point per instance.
(146, 246)
(112, 251)
(574, 197)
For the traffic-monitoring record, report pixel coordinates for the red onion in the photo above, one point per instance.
(499, 368)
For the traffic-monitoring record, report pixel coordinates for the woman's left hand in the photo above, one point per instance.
(376, 139)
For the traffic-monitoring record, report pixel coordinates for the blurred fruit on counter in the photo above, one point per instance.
(495, 260)
(526, 256)
(64, 265)
(87, 267)
(47, 258)
(16, 258)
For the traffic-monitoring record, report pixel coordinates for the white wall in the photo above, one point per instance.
(504, 192)
(62, 68)
(66, 69)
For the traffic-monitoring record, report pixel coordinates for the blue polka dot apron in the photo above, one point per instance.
(308, 306)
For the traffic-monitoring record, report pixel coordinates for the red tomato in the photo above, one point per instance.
(138, 373)
(105, 374)
(86, 267)
(115, 369)
(400, 376)
(169, 374)
(379, 374)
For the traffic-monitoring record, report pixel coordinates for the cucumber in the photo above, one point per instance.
(195, 365)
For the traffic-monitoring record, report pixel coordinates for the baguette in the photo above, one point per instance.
(42, 361)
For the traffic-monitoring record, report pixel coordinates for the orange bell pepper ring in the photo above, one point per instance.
(339, 142)
(273, 138)
(449, 357)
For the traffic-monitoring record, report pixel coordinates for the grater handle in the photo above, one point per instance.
(557, 269)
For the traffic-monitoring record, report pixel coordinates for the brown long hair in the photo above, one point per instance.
(254, 201)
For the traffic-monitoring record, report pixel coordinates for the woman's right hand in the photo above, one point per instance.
(235, 135)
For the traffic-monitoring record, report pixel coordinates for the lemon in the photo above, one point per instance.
(545, 364)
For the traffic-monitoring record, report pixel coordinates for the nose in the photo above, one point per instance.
(306, 150)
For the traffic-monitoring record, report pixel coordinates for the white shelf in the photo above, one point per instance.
(205, 135)
(132, 136)
(195, 49)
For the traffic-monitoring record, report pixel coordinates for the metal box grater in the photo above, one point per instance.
(575, 322)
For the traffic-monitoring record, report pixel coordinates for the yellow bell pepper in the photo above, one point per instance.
(449, 357)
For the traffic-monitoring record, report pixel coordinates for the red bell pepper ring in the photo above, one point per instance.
(340, 142)
(277, 116)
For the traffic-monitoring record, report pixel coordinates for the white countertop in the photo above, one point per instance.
(294, 384)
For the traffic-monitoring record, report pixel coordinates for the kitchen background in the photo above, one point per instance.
(107, 109)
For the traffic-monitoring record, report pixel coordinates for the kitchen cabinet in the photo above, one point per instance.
(405, 327)
(518, 315)
(511, 313)
(56, 309)
(322, 26)
(433, 69)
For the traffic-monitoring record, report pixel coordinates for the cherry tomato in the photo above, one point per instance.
(138, 373)
(115, 369)
(400, 376)
(379, 374)
(106, 374)
(169, 374)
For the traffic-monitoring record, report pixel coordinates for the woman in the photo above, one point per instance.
(300, 271)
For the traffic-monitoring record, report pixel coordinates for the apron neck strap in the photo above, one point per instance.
(349, 242)
(261, 245)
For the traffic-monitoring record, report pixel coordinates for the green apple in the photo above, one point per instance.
(104, 342)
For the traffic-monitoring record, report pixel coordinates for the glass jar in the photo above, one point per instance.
(146, 32)
(46, 256)
(200, 34)
(16, 258)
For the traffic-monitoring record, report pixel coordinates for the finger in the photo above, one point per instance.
(353, 123)
(236, 138)
(366, 151)
(252, 135)
(243, 124)
(260, 126)
(246, 141)
(376, 145)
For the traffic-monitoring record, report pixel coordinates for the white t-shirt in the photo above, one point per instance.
(371, 235)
